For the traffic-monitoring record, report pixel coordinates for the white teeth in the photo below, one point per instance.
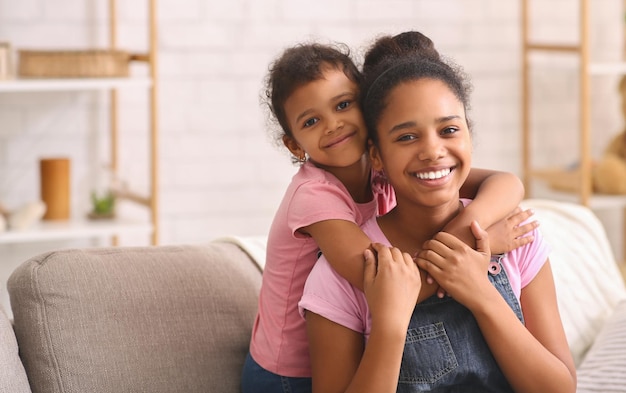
(433, 174)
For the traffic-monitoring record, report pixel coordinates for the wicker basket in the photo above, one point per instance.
(73, 64)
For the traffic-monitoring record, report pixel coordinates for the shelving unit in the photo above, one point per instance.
(76, 229)
(587, 69)
(85, 228)
(41, 85)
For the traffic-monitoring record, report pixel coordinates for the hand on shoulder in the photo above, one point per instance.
(391, 285)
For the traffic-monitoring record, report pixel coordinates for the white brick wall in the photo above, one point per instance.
(219, 174)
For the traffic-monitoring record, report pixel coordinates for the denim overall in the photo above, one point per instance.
(445, 350)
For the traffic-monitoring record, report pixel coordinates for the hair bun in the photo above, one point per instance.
(409, 43)
(414, 42)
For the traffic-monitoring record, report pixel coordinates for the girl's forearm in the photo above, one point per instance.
(496, 196)
(519, 354)
(379, 369)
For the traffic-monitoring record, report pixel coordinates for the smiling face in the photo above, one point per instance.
(425, 146)
(326, 122)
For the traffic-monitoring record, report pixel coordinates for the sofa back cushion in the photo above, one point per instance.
(142, 319)
(588, 282)
(12, 375)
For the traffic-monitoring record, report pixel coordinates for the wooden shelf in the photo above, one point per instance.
(614, 68)
(568, 185)
(41, 85)
(76, 229)
(585, 68)
(562, 184)
(100, 228)
(542, 189)
(572, 63)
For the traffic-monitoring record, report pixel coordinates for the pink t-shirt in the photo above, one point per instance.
(328, 294)
(279, 342)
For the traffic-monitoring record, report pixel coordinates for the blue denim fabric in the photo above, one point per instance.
(256, 379)
(445, 350)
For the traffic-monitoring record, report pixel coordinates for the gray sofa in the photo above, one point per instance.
(178, 318)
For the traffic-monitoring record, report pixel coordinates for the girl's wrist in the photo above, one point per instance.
(469, 214)
(483, 306)
(460, 227)
(388, 333)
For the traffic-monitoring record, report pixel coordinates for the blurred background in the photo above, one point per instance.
(218, 171)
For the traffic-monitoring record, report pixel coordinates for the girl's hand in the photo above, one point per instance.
(459, 269)
(508, 234)
(391, 286)
(504, 236)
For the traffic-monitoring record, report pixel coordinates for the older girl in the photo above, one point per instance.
(499, 330)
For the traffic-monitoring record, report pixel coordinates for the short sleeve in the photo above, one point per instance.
(316, 201)
(328, 294)
(531, 257)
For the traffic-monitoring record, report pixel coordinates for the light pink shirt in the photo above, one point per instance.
(279, 342)
(328, 294)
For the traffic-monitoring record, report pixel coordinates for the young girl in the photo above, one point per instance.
(312, 91)
(499, 330)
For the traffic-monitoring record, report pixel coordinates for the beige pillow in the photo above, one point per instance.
(146, 319)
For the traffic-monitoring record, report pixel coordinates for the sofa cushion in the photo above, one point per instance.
(144, 319)
(604, 367)
(588, 282)
(12, 375)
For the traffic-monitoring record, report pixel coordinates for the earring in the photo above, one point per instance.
(302, 159)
